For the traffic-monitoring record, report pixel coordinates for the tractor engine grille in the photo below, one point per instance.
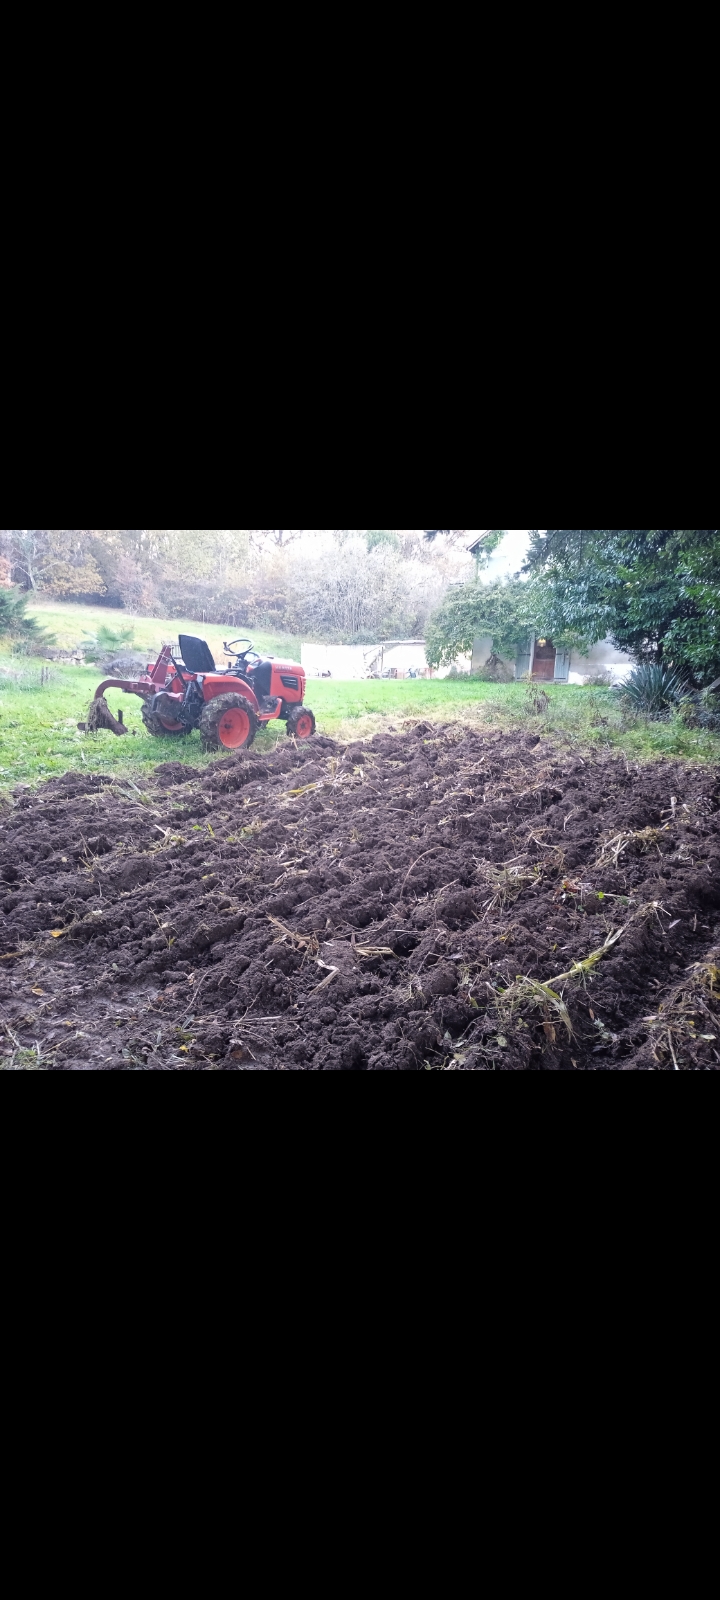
(289, 683)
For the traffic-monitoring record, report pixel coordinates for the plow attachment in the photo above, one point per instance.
(100, 716)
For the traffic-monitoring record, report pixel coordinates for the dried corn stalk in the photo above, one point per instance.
(641, 839)
(300, 941)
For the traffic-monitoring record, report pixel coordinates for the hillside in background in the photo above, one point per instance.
(340, 585)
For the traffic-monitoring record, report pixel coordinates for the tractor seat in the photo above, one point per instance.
(196, 654)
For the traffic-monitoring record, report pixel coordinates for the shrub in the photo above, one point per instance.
(702, 710)
(108, 642)
(537, 700)
(495, 670)
(654, 689)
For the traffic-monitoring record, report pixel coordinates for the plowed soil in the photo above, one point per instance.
(433, 899)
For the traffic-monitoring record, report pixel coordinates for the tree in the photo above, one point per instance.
(503, 611)
(492, 538)
(141, 567)
(654, 591)
(378, 536)
(56, 560)
(134, 587)
(14, 620)
(351, 593)
(218, 554)
(355, 594)
(280, 538)
(454, 534)
(332, 582)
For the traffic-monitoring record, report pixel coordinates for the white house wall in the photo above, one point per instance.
(603, 657)
(460, 664)
(349, 663)
(346, 662)
(481, 652)
(352, 662)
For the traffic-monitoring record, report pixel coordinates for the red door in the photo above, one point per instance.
(544, 664)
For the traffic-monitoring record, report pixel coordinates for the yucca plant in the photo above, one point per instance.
(108, 642)
(654, 689)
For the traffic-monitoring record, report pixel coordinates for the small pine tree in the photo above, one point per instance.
(14, 621)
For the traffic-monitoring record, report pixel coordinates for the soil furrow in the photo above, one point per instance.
(431, 899)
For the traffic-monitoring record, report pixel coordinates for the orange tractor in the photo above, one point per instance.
(227, 704)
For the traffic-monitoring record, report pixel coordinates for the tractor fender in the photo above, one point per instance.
(164, 695)
(212, 687)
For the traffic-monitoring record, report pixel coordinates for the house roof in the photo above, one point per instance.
(477, 543)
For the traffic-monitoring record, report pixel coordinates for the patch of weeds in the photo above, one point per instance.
(687, 1027)
(537, 700)
(23, 1059)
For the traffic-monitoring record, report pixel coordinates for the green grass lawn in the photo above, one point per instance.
(588, 716)
(39, 736)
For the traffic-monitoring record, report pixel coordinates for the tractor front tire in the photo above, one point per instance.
(228, 723)
(300, 722)
(161, 729)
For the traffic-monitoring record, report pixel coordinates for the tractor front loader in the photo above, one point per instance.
(227, 704)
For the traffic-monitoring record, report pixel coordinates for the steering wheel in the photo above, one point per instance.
(231, 651)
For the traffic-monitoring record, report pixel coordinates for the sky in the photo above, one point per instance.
(506, 560)
(508, 557)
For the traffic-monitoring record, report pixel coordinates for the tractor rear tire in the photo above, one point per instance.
(161, 730)
(300, 722)
(228, 723)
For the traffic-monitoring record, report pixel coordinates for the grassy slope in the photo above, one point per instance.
(70, 622)
(39, 737)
